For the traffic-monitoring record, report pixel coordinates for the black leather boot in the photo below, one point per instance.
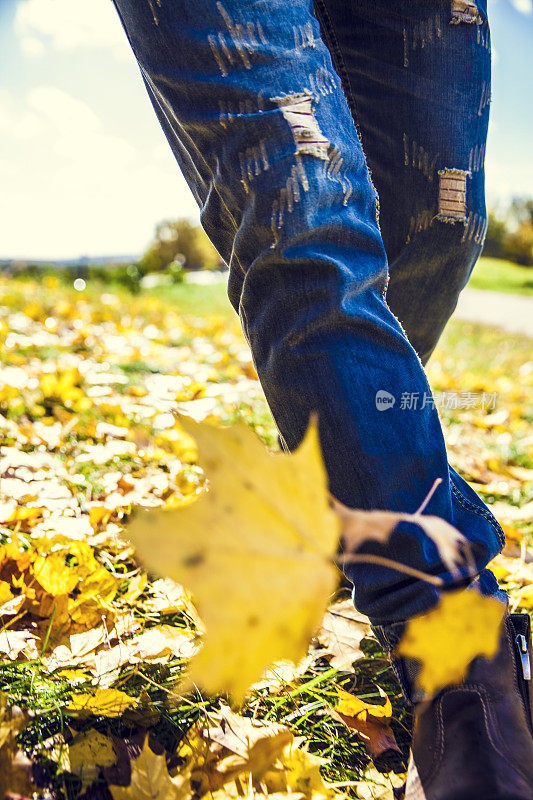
(474, 741)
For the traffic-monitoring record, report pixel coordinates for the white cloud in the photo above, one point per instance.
(70, 25)
(69, 187)
(61, 109)
(32, 47)
(524, 6)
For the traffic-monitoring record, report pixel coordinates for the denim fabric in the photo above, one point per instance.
(253, 107)
(416, 75)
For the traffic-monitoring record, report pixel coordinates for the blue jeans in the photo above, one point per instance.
(267, 105)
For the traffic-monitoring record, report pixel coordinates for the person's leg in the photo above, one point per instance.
(416, 75)
(417, 78)
(251, 104)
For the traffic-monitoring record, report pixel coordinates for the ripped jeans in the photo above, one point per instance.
(267, 106)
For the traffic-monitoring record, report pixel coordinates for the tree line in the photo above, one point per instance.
(510, 234)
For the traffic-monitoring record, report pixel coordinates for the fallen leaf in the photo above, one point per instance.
(12, 720)
(55, 576)
(104, 702)
(300, 776)
(256, 550)
(507, 513)
(150, 780)
(163, 641)
(370, 722)
(352, 706)
(377, 786)
(258, 743)
(341, 633)
(524, 597)
(5, 593)
(88, 753)
(167, 597)
(276, 677)
(445, 640)
(303, 774)
(13, 643)
(136, 587)
(15, 767)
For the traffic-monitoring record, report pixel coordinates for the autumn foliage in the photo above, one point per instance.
(115, 665)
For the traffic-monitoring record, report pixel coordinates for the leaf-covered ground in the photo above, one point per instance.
(91, 648)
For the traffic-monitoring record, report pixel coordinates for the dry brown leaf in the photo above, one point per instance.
(284, 673)
(15, 768)
(14, 643)
(377, 786)
(257, 743)
(161, 642)
(150, 780)
(341, 633)
(370, 722)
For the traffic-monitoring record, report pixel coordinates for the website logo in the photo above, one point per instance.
(384, 400)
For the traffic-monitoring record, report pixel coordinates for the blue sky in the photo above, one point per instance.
(84, 167)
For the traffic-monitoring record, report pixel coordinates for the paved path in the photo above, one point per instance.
(512, 312)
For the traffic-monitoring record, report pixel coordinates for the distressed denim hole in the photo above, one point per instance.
(452, 194)
(465, 11)
(297, 109)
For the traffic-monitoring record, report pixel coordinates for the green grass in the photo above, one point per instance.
(193, 299)
(490, 273)
(481, 349)
(502, 276)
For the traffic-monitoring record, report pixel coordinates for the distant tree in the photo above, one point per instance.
(522, 210)
(496, 236)
(179, 241)
(519, 241)
(519, 245)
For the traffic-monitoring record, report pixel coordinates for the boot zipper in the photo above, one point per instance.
(521, 643)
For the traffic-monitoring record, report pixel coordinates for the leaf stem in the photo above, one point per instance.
(387, 562)
(428, 497)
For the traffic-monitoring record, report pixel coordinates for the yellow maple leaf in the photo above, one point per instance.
(150, 780)
(5, 593)
(352, 706)
(104, 702)
(464, 625)
(369, 721)
(300, 777)
(55, 576)
(256, 550)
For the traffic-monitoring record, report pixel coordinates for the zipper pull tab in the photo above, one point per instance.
(524, 656)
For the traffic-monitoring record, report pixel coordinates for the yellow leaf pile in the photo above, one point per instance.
(93, 645)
